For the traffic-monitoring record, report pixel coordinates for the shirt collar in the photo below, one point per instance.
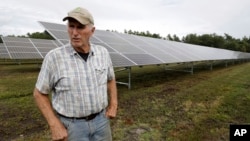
(72, 51)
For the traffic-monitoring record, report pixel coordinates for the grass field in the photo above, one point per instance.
(161, 106)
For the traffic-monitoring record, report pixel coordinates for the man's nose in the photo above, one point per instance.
(75, 32)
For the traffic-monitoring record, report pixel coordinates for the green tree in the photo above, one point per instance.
(40, 35)
(218, 41)
(169, 37)
(191, 39)
(245, 42)
(176, 38)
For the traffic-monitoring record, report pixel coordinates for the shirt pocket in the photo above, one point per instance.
(63, 84)
(101, 75)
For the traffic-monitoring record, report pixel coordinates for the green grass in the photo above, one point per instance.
(161, 106)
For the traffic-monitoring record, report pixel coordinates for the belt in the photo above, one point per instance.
(87, 118)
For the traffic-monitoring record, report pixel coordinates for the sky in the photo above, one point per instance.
(179, 17)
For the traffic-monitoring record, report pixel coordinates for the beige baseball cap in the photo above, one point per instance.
(81, 15)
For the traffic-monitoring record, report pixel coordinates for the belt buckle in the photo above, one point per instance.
(88, 118)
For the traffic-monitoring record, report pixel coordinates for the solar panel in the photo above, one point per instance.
(156, 51)
(20, 48)
(3, 52)
(25, 55)
(54, 26)
(104, 45)
(121, 61)
(44, 46)
(189, 51)
(27, 48)
(58, 31)
(243, 55)
(126, 48)
(143, 59)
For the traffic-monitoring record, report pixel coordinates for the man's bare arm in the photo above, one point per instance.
(58, 131)
(113, 101)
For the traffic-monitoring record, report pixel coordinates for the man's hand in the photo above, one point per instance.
(113, 102)
(111, 111)
(58, 131)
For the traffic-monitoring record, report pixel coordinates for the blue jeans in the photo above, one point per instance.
(97, 129)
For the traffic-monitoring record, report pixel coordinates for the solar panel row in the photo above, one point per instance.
(131, 50)
(125, 50)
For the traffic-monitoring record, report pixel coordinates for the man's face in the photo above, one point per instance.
(79, 34)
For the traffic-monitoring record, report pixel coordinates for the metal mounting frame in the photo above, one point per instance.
(129, 77)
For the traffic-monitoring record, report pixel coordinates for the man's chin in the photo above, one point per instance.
(74, 44)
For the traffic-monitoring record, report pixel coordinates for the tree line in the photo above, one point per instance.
(210, 40)
(36, 35)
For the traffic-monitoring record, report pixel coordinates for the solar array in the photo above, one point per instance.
(26, 48)
(131, 50)
(125, 50)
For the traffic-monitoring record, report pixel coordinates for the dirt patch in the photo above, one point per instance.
(18, 122)
(134, 133)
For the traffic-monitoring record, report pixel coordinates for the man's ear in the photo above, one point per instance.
(93, 29)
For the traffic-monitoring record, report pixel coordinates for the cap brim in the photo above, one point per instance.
(76, 18)
(64, 19)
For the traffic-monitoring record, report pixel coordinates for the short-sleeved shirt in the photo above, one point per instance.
(78, 87)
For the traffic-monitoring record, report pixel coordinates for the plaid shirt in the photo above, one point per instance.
(79, 88)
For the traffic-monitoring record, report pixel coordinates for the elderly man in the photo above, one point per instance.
(81, 78)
